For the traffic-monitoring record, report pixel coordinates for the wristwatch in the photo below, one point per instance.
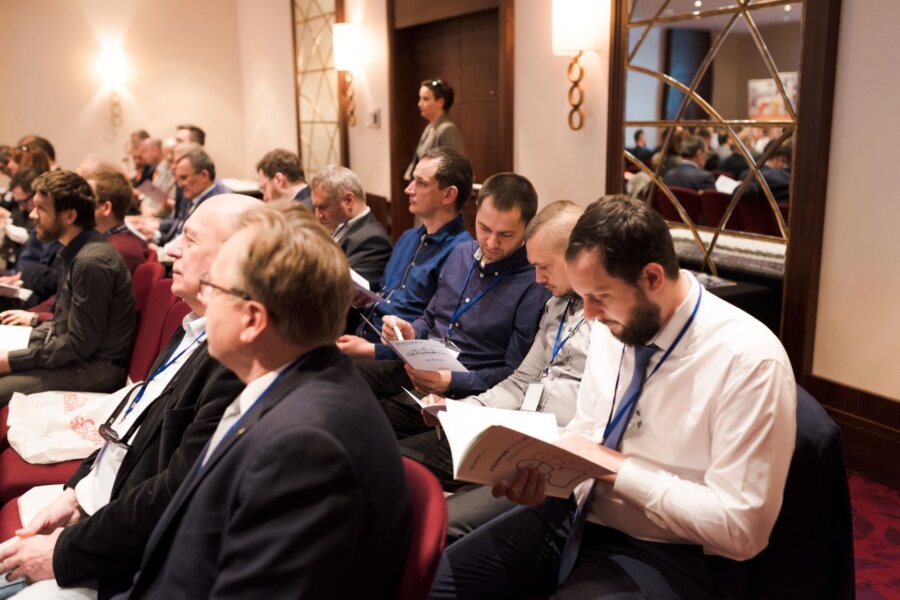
(35, 320)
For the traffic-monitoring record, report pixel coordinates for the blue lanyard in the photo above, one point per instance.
(159, 370)
(460, 310)
(265, 392)
(558, 345)
(625, 408)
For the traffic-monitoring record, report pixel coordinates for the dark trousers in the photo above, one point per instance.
(79, 376)
(471, 508)
(518, 555)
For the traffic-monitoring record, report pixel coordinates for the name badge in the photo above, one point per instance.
(533, 396)
(452, 347)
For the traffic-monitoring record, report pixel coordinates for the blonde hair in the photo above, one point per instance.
(294, 268)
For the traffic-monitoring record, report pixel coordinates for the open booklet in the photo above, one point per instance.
(14, 291)
(363, 296)
(14, 337)
(424, 355)
(491, 445)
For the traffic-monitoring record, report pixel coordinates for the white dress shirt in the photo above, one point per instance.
(94, 490)
(344, 227)
(712, 436)
(239, 407)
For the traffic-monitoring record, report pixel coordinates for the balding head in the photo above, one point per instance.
(208, 227)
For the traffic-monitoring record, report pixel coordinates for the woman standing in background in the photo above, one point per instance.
(435, 99)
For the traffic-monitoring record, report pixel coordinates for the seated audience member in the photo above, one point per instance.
(640, 149)
(195, 174)
(736, 163)
(712, 157)
(96, 530)
(441, 185)
(17, 224)
(340, 205)
(113, 193)
(134, 157)
(698, 435)
(690, 173)
(487, 304)
(281, 176)
(158, 172)
(87, 344)
(548, 377)
(302, 478)
(27, 155)
(776, 172)
(36, 141)
(190, 133)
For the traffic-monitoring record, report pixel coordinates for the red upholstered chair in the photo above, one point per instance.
(714, 205)
(758, 217)
(689, 200)
(9, 519)
(147, 341)
(428, 532)
(143, 279)
(173, 321)
(18, 476)
(4, 427)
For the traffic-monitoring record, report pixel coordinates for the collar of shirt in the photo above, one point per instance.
(71, 250)
(449, 228)
(194, 325)
(256, 387)
(344, 228)
(514, 260)
(203, 194)
(667, 334)
(117, 229)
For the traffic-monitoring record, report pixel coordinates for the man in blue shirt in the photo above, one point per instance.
(487, 303)
(441, 185)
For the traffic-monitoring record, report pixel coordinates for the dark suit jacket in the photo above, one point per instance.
(307, 498)
(690, 176)
(107, 546)
(305, 196)
(368, 248)
(778, 180)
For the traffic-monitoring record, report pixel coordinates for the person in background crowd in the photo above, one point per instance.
(690, 173)
(281, 175)
(435, 99)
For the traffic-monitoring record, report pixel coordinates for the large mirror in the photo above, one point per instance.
(710, 120)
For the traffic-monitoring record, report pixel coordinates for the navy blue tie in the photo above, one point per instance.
(642, 356)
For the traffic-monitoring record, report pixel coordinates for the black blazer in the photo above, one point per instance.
(778, 180)
(107, 546)
(690, 176)
(368, 248)
(307, 498)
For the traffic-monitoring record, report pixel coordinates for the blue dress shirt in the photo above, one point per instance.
(496, 333)
(411, 275)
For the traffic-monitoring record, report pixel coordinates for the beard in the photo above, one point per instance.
(51, 233)
(643, 322)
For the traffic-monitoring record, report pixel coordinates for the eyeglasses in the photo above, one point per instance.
(207, 286)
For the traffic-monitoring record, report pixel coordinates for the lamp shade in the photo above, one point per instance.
(576, 25)
(344, 46)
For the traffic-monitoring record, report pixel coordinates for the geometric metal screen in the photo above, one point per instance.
(317, 84)
(728, 23)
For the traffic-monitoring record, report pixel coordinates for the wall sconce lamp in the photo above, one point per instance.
(576, 29)
(112, 70)
(344, 40)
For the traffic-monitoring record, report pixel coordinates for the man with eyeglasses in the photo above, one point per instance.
(95, 531)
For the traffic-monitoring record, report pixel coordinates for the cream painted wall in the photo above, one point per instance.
(370, 146)
(858, 318)
(204, 61)
(563, 164)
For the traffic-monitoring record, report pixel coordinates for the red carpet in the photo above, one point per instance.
(876, 539)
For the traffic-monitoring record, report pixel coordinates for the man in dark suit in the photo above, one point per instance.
(640, 149)
(281, 176)
(776, 173)
(94, 533)
(340, 205)
(301, 491)
(690, 173)
(195, 175)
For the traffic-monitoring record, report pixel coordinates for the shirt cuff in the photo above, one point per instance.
(636, 481)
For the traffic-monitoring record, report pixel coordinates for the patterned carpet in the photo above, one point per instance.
(876, 539)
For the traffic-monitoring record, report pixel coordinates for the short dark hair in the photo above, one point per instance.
(24, 178)
(68, 191)
(201, 161)
(453, 169)
(282, 161)
(691, 146)
(784, 150)
(440, 89)
(637, 135)
(44, 144)
(113, 187)
(508, 191)
(630, 234)
(197, 134)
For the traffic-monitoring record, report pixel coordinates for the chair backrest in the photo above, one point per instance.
(689, 200)
(757, 216)
(146, 343)
(427, 534)
(143, 279)
(810, 551)
(173, 321)
(714, 204)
